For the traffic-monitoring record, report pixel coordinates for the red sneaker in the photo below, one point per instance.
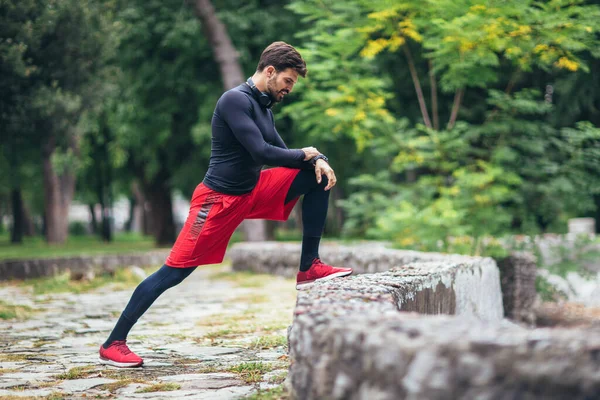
(119, 355)
(319, 271)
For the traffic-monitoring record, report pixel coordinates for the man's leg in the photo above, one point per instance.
(142, 298)
(314, 213)
(274, 197)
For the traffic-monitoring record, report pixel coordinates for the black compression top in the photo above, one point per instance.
(244, 139)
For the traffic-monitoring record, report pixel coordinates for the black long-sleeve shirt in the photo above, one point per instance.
(244, 139)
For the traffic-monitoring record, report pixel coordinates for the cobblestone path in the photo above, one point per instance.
(218, 335)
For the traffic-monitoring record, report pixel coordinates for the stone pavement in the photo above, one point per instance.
(218, 335)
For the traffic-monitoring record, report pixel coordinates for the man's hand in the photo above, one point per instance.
(310, 152)
(321, 167)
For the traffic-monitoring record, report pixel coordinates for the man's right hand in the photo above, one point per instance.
(310, 153)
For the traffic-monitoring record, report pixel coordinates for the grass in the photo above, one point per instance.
(56, 396)
(122, 279)
(251, 298)
(245, 279)
(277, 393)
(36, 247)
(279, 378)
(13, 311)
(40, 342)
(160, 387)
(8, 370)
(269, 342)
(77, 372)
(16, 357)
(114, 386)
(251, 372)
(51, 396)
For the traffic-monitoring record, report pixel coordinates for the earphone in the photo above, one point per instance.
(263, 98)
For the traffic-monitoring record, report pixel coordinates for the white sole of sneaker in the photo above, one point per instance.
(118, 364)
(306, 285)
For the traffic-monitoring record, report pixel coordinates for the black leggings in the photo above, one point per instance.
(314, 212)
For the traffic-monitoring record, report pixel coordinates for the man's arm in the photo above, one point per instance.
(235, 109)
(297, 164)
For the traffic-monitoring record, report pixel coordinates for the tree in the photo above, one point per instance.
(54, 50)
(167, 85)
(437, 164)
(231, 73)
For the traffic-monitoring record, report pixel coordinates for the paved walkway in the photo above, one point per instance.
(218, 335)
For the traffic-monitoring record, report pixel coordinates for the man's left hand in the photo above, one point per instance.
(323, 168)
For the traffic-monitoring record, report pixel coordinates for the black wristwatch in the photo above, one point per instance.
(313, 161)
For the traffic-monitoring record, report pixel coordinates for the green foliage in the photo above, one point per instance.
(472, 39)
(472, 181)
(547, 291)
(12, 311)
(504, 168)
(122, 279)
(126, 91)
(77, 228)
(251, 372)
(160, 387)
(77, 372)
(277, 393)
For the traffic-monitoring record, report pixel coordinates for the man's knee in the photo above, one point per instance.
(324, 182)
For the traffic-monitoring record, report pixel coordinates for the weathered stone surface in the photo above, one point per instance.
(518, 274)
(350, 341)
(80, 385)
(432, 288)
(35, 393)
(429, 283)
(78, 265)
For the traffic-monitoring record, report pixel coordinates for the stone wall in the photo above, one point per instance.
(374, 352)
(518, 271)
(36, 268)
(350, 340)
(368, 336)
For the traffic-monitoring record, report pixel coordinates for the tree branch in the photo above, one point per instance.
(415, 78)
(434, 100)
(455, 107)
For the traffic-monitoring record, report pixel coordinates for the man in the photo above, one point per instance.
(235, 187)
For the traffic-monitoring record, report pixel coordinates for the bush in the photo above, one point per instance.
(77, 228)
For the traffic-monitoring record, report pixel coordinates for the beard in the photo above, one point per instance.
(275, 95)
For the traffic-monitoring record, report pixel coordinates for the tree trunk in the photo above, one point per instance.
(271, 226)
(129, 224)
(226, 55)
(28, 225)
(106, 223)
(158, 194)
(58, 194)
(458, 96)
(597, 212)
(417, 84)
(93, 220)
(16, 235)
(140, 215)
(434, 99)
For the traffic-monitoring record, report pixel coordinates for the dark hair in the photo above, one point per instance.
(282, 56)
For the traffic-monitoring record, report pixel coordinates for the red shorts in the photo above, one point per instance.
(214, 217)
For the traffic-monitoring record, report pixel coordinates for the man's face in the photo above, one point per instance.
(280, 83)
